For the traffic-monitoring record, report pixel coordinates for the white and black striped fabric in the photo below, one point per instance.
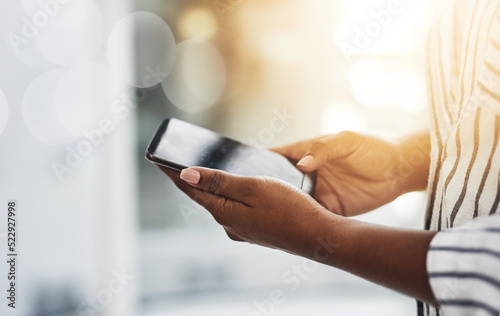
(463, 77)
(464, 268)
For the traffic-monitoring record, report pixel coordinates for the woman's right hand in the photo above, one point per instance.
(358, 173)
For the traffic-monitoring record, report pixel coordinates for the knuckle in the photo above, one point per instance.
(248, 187)
(270, 184)
(224, 209)
(348, 135)
(214, 183)
(319, 144)
(264, 181)
(351, 139)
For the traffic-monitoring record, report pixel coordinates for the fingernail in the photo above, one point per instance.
(306, 161)
(190, 176)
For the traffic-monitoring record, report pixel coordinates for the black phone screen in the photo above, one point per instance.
(178, 145)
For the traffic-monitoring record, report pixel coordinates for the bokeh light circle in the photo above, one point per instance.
(195, 21)
(52, 8)
(19, 38)
(366, 78)
(73, 35)
(341, 115)
(4, 112)
(85, 96)
(198, 77)
(153, 44)
(38, 110)
(374, 83)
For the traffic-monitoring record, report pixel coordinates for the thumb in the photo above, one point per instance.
(312, 161)
(294, 151)
(218, 182)
(325, 148)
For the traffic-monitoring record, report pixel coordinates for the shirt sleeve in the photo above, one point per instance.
(463, 264)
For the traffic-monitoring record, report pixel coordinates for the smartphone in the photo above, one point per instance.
(178, 145)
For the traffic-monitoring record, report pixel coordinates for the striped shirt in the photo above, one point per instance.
(463, 77)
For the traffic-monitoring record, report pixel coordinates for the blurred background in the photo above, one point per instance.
(83, 86)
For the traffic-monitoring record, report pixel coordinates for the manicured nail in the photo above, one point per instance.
(190, 176)
(306, 161)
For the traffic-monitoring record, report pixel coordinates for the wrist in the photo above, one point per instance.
(325, 238)
(378, 254)
(412, 164)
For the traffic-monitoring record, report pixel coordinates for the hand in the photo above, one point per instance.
(272, 213)
(356, 173)
(259, 210)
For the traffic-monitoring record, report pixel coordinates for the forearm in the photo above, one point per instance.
(414, 162)
(394, 258)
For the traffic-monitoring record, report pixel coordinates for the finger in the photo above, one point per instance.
(295, 150)
(197, 195)
(221, 183)
(315, 156)
(174, 176)
(232, 235)
(219, 206)
(324, 149)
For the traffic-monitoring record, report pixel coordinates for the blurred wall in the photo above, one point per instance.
(72, 175)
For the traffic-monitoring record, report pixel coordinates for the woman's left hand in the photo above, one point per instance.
(272, 213)
(258, 210)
